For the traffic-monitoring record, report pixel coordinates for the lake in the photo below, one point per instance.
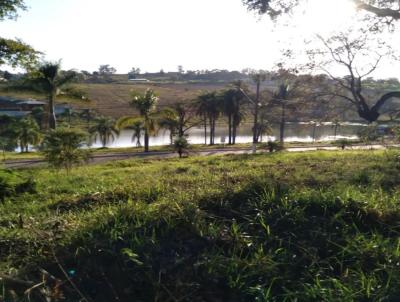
(295, 132)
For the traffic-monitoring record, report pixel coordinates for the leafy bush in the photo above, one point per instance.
(181, 145)
(63, 148)
(274, 146)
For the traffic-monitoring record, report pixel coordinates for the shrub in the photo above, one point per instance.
(274, 146)
(181, 145)
(63, 148)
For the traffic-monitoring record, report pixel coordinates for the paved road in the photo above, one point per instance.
(99, 158)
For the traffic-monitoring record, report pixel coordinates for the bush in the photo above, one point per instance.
(274, 146)
(63, 148)
(181, 145)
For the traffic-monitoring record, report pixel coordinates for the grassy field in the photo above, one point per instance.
(113, 99)
(318, 226)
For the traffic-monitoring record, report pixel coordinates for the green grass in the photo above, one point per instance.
(318, 226)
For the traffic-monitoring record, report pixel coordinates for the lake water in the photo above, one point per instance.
(294, 132)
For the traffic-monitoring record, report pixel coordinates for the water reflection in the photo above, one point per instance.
(294, 132)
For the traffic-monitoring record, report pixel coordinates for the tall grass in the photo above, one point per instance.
(321, 226)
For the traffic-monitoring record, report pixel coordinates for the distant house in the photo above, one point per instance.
(139, 80)
(20, 107)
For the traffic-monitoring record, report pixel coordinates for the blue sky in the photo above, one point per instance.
(161, 34)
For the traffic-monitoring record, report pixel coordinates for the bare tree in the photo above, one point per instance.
(388, 10)
(358, 57)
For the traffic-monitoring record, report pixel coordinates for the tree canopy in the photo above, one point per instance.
(379, 8)
(9, 8)
(14, 52)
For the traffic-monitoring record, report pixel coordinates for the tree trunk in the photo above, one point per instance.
(205, 130)
(211, 131)
(234, 134)
(52, 116)
(230, 128)
(255, 125)
(282, 126)
(314, 131)
(146, 140)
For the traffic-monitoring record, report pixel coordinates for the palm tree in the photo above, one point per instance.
(27, 132)
(146, 104)
(232, 109)
(201, 110)
(170, 123)
(281, 97)
(104, 129)
(137, 128)
(210, 105)
(257, 78)
(51, 79)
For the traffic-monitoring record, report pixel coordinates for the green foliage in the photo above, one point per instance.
(27, 132)
(181, 145)
(315, 226)
(49, 79)
(16, 52)
(9, 8)
(104, 129)
(7, 133)
(62, 148)
(274, 146)
(12, 184)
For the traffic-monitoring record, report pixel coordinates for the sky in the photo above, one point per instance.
(162, 34)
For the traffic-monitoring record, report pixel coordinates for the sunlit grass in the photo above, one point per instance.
(318, 226)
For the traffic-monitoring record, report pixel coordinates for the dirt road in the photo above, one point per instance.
(99, 158)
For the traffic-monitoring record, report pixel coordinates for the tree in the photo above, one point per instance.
(233, 99)
(209, 106)
(62, 148)
(382, 9)
(8, 140)
(14, 52)
(351, 54)
(50, 79)
(170, 123)
(137, 128)
(106, 70)
(27, 132)
(281, 97)
(258, 78)
(146, 104)
(181, 145)
(134, 73)
(104, 129)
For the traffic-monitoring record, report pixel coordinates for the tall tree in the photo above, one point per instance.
(15, 52)
(358, 55)
(281, 97)
(27, 133)
(233, 99)
(258, 78)
(50, 79)
(146, 105)
(210, 107)
(378, 8)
